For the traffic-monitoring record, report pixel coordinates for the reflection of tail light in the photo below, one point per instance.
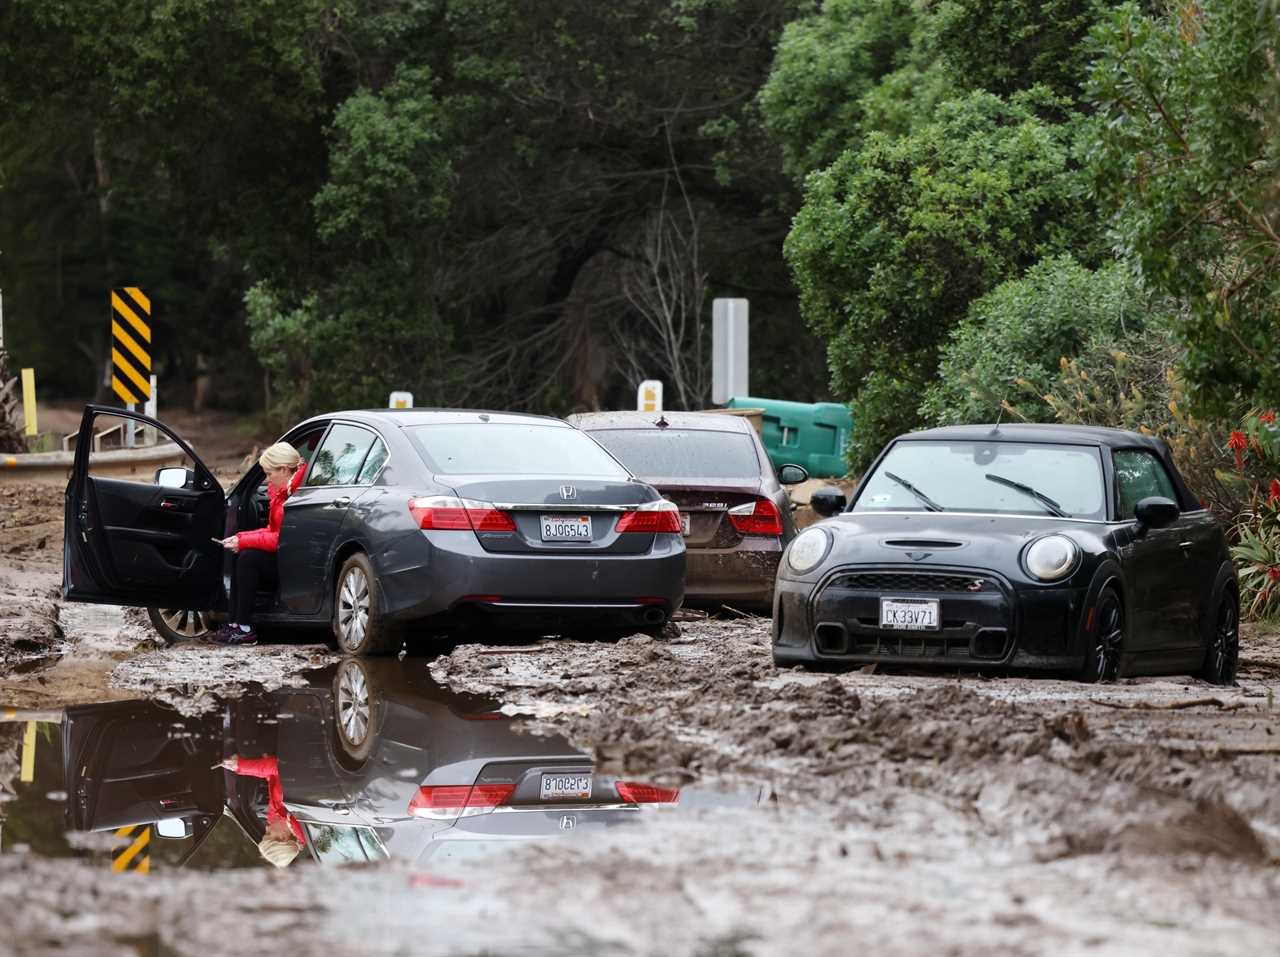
(460, 514)
(634, 793)
(651, 517)
(760, 517)
(446, 802)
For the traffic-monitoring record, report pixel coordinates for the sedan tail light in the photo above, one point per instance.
(651, 518)
(636, 793)
(450, 801)
(760, 517)
(459, 514)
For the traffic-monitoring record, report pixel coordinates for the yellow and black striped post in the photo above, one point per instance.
(133, 850)
(130, 345)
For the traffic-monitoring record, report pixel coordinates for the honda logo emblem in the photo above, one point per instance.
(568, 822)
(568, 492)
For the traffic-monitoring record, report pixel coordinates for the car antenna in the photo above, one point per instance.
(662, 422)
(999, 415)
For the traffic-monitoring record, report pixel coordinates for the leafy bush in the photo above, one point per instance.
(1257, 557)
(1013, 337)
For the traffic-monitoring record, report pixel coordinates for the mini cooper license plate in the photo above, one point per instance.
(909, 614)
(558, 787)
(566, 528)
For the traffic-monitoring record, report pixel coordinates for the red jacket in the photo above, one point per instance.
(268, 539)
(269, 768)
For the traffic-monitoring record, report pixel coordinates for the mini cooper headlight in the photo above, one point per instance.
(808, 549)
(1051, 557)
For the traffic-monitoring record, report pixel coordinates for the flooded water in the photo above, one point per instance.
(371, 761)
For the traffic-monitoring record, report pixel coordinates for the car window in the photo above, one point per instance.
(682, 453)
(503, 448)
(1139, 475)
(955, 475)
(340, 456)
(307, 443)
(372, 463)
(343, 844)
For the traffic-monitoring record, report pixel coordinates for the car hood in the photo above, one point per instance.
(992, 542)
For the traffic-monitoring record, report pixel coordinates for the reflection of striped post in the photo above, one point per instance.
(136, 854)
(130, 345)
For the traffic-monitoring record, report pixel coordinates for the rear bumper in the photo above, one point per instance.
(742, 575)
(441, 571)
(998, 625)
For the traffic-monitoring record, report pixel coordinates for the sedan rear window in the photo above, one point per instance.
(998, 477)
(512, 449)
(682, 453)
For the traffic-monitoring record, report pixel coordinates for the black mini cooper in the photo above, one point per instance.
(1061, 548)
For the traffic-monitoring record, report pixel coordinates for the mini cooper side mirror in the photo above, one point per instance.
(792, 475)
(828, 501)
(1156, 512)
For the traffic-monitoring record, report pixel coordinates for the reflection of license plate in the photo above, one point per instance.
(684, 523)
(557, 787)
(566, 528)
(909, 614)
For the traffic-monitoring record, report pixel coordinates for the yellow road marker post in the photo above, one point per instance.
(130, 345)
(29, 400)
(135, 855)
(27, 773)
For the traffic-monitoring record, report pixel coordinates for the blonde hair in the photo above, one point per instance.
(279, 851)
(280, 455)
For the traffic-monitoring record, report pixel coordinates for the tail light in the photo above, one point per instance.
(460, 514)
(635, 793)
(760, 517)
(450, 801)
(651, 518)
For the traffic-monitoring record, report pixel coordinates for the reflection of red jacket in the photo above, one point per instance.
(268, 539)
(276, 811)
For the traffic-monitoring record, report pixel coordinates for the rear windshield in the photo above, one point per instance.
(977, 477)
(512, 449)
(682, 453)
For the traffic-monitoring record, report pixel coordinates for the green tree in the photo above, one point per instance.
(896, 239)
(1185, 153)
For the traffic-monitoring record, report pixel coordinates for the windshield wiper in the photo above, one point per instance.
(929, 503)
(1049, 504)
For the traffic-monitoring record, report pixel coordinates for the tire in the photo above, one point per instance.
(1222, 650)
(358, 625)
(356, 704)
(1106, 641)
(177, 624)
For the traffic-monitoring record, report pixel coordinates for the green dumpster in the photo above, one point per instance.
(810, 434)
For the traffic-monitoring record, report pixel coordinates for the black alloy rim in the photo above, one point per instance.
(1226, 638)
(1106, 650)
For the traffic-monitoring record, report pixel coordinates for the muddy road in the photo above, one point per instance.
(770, 811)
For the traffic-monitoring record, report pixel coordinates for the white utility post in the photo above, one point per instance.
(729, 349)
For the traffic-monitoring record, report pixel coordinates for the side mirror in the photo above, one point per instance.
(1156, 512)
(174, 828)
(792, 475)
(828, 501)
(175, 477)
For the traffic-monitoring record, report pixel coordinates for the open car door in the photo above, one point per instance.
(134, 541)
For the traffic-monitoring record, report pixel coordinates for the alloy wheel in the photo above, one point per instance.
(353, 608)
(1107, 646)
(353, 705)
(1226, 638)
(188, 624)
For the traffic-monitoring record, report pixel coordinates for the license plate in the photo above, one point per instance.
(909, 614)
(566, 528)
(558, 787)
(685, 523)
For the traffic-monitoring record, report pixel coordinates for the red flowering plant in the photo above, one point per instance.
(1256, 448)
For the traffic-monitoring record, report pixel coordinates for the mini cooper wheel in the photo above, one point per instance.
(355, 710)
(1223, 653)
(179, 624)
(358, 626)
(1106, 640)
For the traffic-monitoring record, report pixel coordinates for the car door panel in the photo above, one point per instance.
(136, 543)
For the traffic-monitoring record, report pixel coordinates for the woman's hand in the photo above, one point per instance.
(231, 544)
(232, 763)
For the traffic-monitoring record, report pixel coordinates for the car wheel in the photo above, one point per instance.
(358, 626)
(1223, 653)
(355, 708)
(1107, 642)
(179, 624)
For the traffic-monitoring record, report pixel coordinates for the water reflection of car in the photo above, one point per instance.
(735, 513)
(376, 760)
(434, 518)
(1071, 549)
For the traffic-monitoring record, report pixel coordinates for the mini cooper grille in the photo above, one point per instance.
(915, 582)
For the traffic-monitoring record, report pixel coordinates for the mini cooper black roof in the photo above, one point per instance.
(1050, 434)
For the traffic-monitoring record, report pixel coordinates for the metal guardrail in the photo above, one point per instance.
(55, 467)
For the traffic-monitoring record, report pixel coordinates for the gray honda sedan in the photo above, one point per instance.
(440, 518)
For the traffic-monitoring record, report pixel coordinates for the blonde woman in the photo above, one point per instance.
(255, 551)
(283, 840)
